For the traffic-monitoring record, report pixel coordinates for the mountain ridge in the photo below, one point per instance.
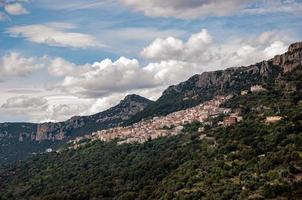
(203, 87)
(51, 134)
(197, 89)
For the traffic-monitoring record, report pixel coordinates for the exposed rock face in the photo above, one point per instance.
(203, 87)
(127, 107)
(59, 131)
(18, 140)
(48, 131)
(187, 94)
(245, 76)
(295, 47)
(78, 125)
(291, 59)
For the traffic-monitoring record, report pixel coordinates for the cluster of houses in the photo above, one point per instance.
(254, 89)
(172, 124)
(169, 125)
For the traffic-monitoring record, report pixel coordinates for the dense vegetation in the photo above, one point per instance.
(205, 86)
(12, 148)
(251, 160)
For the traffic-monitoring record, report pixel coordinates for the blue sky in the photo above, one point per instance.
(54, 53)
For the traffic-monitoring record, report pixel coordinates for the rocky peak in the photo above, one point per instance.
(295, 47)
(135, 98)
(291, 59)
(203, 87)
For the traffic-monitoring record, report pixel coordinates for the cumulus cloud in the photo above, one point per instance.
(107, 77)
(173, 48)
(94, 87)
(50, 108)
(60, 67)
(14, 64)
(12, 7)
(200, 49)
(24, 102)
(101, 78)
(62, 112)
(15, 9)
(54, 34)
(171, 60)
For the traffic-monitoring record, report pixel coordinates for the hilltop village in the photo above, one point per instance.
(169, 125)
(172, 124)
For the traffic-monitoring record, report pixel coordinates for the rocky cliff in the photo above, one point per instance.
(133, 108)
(76, 126)
(205, 86)
(18, 140)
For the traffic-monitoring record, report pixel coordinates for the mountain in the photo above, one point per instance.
(18, 140)
(205, 86)
(78, 126)
(34, 138)
(253, 159)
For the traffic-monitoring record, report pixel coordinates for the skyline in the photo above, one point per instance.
(61, 58)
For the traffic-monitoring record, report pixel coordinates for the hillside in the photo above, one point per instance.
(250, 160)
(18, 140)
(253, 159)
(199, 88)
(203, 87)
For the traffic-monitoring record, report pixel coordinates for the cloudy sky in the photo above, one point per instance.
(60, 58)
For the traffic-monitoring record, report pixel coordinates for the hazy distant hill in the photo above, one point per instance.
(18, 140)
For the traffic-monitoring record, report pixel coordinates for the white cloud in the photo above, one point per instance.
(61, 108)
(24, 102)
(275, 48)
(185, 9)
(172, 60)
(121, 76)
(101, 78)
(168, 72)
(199, 8)
(49, 108)
(172, 48)
(14, 64)
(273, 6)
(201, 50)
(25, 106)
(15, 9)
(93, 87)
(60, 67)
(54, 34)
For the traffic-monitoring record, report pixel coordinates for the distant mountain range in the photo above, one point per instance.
(17, 140)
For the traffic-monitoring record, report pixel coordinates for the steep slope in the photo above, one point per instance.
(250, 160)
(77, 126)
(18, 140)
(203, 87)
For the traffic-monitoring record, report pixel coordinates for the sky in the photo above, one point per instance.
(64, 58)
